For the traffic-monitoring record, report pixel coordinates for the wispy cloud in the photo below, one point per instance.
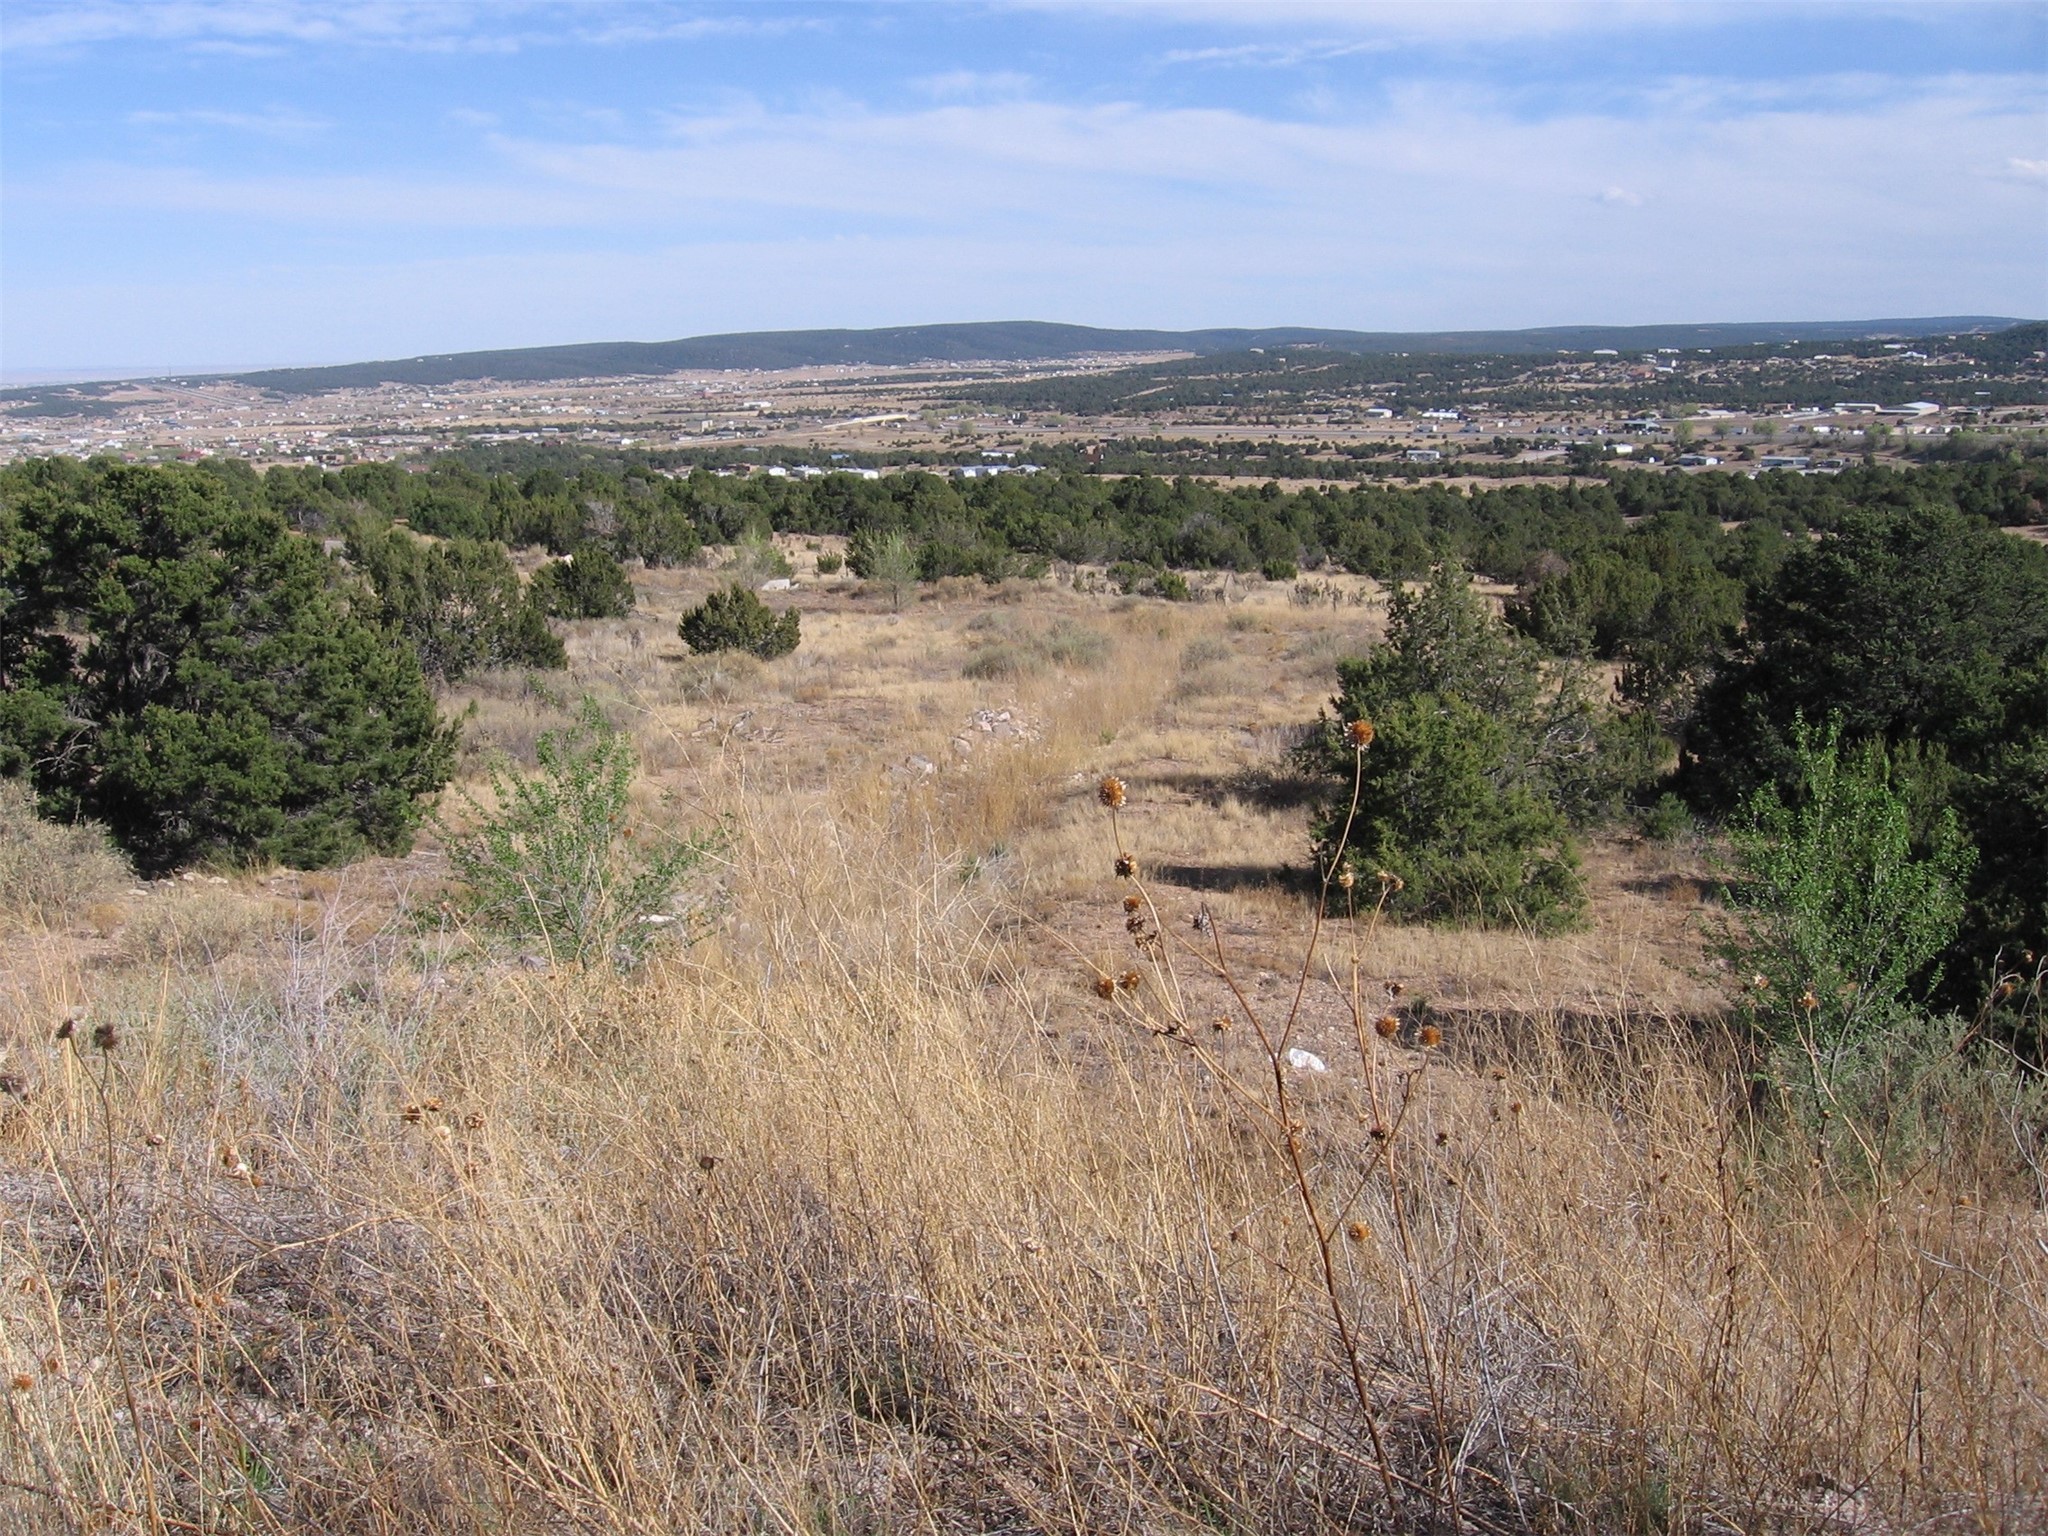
(258, 27)
(974, 84)
(275, 123)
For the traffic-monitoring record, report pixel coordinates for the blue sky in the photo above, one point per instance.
(249, 182)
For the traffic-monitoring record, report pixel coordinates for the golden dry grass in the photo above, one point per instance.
(866, 1214)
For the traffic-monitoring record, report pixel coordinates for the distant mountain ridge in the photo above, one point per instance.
(1038, 340)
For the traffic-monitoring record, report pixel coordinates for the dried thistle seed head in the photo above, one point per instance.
(1129, 981)
(1359, 733)
(1358, 1231)
(1105, 986)
(1430, 1036)
(431, 1106)
(410, 1114)
(1808, 1001)
(1133, 901)
(1346, 880)
(1380, 1133)
(1386, 1026)
(1443, 1138)
(1395, 989)
(473, 1121)
(1135, 923)
(1126, 867)
(707, 1162)
(1221, 1024)
(1759, 982)
(22, 1381)
(68, 1028)
(105, 1037)
(1111, 792)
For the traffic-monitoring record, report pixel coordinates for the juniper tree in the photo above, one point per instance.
(201, 679)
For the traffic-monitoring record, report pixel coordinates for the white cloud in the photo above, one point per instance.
(261, 27)
(275, 123)
(974, 84)
(1444, 208)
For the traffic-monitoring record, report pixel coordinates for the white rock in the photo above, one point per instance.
(1306, 1061)
(779, 584)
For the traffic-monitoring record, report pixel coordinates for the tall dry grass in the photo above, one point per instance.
(834, 1223)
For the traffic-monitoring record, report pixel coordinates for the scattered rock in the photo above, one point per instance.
(1306, 1061)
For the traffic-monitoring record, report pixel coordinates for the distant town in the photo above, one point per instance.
(1296, 412)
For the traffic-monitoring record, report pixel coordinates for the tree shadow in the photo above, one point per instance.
(1281, 791)
(1291, 879)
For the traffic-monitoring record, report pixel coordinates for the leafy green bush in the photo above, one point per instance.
(1918, 624)
(192, 674)
(829, 565)
(734, 619)
(1839, 912)
(553, 857)
(587, 583)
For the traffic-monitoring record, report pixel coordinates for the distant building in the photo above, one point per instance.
(1784, 461)
(1697, 460)
(1423, 456)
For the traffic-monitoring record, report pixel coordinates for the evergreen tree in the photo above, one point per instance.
(457, 601)
(202, 680)
(586, 584)
(1482, 760)
(736, 620)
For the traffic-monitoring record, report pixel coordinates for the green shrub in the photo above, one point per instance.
(228, 700)
(885, 558)
(734, 619)
(1911, 624)
(829, 565)
(1436, 810)
(587, 583)
(458, 602)
(552, 856)
(1839, 912)
(1279, 570)
(1484, 760)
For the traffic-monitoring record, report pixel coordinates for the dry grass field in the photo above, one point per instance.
(865, 1212)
